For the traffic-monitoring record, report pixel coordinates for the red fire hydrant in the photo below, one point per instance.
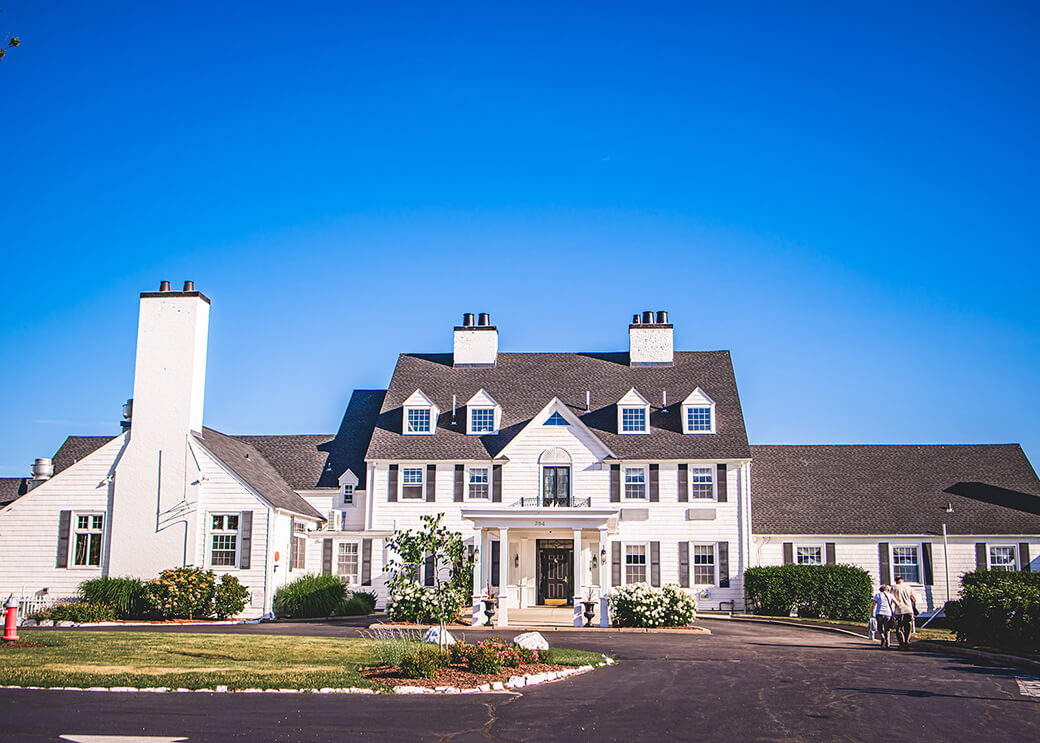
(11, 620)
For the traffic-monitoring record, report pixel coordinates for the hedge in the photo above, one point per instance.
(998, 608)
(817, 591)
(310, 596)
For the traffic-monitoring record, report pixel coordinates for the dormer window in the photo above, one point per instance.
(633, 413)
(698, 413)
(483, 415)
(347, 482)
(420, 415)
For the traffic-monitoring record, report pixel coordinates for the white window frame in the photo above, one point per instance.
(347, 493)
(713, 469)
(1014, 566)
(471, 430)
(89, 530)
(624, 562)
(892, 562)
(698, 399)
(469, 482)
(357, 566)
(646, 419)
(714, 563)
(687, 423)
(223, 531)
(431, 422)
(421, 483)
(820, 547)
(625, 468)
(301, 534)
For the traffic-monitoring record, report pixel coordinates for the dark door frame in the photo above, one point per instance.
(554, 544)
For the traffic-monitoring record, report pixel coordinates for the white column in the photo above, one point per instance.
(604, 579)
(478, 554)
(578, 618)
(503, 576)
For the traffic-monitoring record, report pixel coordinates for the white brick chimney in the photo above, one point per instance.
(153, 475)
(476, 344)
(650, 340)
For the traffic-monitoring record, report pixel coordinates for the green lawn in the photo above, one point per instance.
(198, 661)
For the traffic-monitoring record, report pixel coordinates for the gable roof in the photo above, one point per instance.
(894, 489)
(75, 448)
(554, 408)
(11, 489)
(522, 382)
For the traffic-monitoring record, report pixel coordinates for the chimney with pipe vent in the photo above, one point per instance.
(650, 340)
(42, 471)
(475, 344)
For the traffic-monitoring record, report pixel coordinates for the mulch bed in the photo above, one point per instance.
(455, 675)
(21, 644)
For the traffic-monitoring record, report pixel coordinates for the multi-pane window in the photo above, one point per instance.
(348, 495)
(298, 551)
(556, 420)
(905, 564)
(704, 564)
(633, 420)
(412, 482)
(1002, 558)
(224, 539)
(635, 482)
(347, 562)
(418, 420)
(478, 482)
(698, 419)
(635, 563)
(809, 556)
(702, 484)
(89, 533)
(482, 420)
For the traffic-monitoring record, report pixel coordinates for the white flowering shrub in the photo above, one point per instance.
(643, 605)
(409, 600)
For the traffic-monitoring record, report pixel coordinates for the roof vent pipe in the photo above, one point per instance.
(467, 319)
(662, 317)
(648, 318)
(484, 319)
(42, 469)
(635, 319)
(189, 286)
(164, 286)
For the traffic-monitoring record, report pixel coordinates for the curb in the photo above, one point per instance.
(691, 630)
(824, 628)
(996, 658)
(213, 623)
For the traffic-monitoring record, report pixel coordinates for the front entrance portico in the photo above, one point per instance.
(545, 557)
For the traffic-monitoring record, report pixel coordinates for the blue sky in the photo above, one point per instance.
(845, 199)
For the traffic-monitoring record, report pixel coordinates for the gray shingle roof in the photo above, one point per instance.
(894, 489)
(11, 489)
(75, 448)
(523, 383)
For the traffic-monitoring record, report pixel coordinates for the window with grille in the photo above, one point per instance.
(478, 483)
(347, 562)
(418, 420)
(809, 556)
(698, 419)
(635, 483)
(412, 482)
(224, 539)
(905, 564)
(704, 564)
(348, 495)
(1002, 558)
(88, 537)
(482, 420)
(298, 551)
(556, 420)
(702, 482)
(635, 563)
(633, 420)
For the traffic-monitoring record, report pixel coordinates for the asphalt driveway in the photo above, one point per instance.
(747, 682)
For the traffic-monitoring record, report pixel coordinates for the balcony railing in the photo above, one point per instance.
(537, 502)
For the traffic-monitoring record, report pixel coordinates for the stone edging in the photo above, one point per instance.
(1010, 660)
(514, 682)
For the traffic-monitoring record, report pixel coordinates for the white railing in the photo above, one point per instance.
(31, 604)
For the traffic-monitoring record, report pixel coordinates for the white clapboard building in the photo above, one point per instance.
(567, 474)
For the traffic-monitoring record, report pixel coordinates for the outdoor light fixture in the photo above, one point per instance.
(603, 553)
(516, 561)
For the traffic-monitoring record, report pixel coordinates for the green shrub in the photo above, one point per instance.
(485, 660)
(643, 605)
(310, 596)
(462, 653)
(391, 646)
(182, 593)
(82, 612)
(547, 656)
(998, 608)
(423, 664)
(126, 596)
(356, 604)
(229, 597)
(840, 592)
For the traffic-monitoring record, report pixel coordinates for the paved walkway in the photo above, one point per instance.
(744, 682)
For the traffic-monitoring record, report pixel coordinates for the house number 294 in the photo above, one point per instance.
(539, 523)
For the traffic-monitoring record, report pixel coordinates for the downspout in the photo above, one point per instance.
(267, 563)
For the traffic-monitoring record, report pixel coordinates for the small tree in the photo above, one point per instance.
(452, 582)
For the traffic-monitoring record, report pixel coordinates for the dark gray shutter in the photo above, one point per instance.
(615, 485)
(981, 559)
(788, 553)
(684, 483)
(926, 563)
(883, 570)
(64, 527)
(723, 564)
(460, 474)
(496, 484)
(431, 483)
(684, 564)
(615, 563)
(722, 485)
(654, 477)
(655, 563)
(429, 568)
(1023, 557)
(496, 551)
(829, 548)
(366, 562)
(326, 555)
(391, 484)
(245, 535)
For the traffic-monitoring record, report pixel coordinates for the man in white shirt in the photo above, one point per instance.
(904, 608)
